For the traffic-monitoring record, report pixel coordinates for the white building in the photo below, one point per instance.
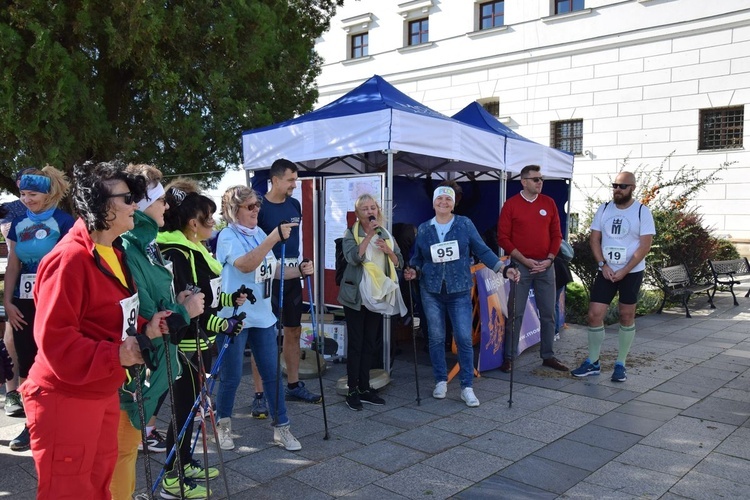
(608, 80)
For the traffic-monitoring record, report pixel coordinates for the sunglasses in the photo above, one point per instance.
(127, 198)
(535, 179)
(251, 206)
(620, 185)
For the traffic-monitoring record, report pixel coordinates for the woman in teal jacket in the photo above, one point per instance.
(155, 292)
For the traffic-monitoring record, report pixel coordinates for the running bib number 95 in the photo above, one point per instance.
(444, 252)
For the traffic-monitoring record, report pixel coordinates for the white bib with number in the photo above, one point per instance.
(616, 255)
(129, 314)
(27, 286)
(290, 261)
(265, 270)
(445, 251)
(215, 285)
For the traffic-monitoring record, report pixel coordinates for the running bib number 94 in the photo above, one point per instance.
(616, 255)
(445, 251)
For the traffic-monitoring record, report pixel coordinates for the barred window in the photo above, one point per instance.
(721, 128)
(492, 107)
(567, 135)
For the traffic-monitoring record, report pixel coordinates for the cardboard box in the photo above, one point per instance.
(335, 334)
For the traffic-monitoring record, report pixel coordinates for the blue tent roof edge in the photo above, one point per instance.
(375, 94)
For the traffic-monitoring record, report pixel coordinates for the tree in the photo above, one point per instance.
(171, 83)
(681, 234)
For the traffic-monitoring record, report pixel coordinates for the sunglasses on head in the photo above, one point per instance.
(127, 198)
(535, 179)
(620, 185)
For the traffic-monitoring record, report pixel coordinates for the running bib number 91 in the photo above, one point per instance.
(445, 251)
(265, 270)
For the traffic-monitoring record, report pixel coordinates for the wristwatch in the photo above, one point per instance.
(601, 264)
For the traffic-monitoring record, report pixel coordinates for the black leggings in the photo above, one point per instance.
(24, 338)
(186, 390)
(362, 330)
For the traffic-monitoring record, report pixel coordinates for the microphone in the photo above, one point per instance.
(371, 219)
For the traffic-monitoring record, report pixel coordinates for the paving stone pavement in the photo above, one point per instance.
(679, 427)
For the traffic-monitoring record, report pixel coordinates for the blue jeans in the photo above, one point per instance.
(458, 307)
(262, 343)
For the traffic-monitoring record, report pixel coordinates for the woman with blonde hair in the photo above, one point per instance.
(369, 289)
(244, 251)
(32, 236)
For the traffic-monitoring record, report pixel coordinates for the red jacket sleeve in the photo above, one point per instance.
(504, 226)
(61, 294)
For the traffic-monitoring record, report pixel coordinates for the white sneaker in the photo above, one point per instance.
(224, 428)
(441, 389)
(467, 394)
(282, 436)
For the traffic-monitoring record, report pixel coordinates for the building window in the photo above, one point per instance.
(419, 31)
(359, 45)
(563, 6)
(721, 128)
(492, 107)
(567, 135)
(491, 15)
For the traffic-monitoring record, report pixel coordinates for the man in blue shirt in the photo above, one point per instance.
(279, 206)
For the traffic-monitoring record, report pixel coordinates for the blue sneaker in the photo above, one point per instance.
(620, 374)
(300, 393)
(587, 368)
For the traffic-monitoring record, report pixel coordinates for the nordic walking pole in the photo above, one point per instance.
(207, 400)
(318, 352)
(414, 341)
(512, 321)
(136, 371)
(170, 387)
(280, 323)
(194, 410)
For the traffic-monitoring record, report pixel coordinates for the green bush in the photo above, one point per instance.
(577, 305)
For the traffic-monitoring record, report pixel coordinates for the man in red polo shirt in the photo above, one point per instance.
(529, 231)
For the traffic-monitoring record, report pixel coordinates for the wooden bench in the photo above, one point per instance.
(676, 281)
(729, 273)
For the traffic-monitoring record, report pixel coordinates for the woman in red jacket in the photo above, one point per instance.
(87, 311)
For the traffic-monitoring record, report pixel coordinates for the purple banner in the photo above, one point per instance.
(492, 293)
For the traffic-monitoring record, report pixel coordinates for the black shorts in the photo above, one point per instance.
(604, 290)
(292, 301)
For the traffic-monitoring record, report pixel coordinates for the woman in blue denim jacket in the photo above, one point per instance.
(442, 261)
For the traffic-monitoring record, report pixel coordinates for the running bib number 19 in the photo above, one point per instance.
(616, 255)
(444, 252)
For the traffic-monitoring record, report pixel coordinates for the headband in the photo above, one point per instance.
(446, 191)
(34, 182)
(152, 195)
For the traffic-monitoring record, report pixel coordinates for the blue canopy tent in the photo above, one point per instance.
(375, 128)
(519, 151)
